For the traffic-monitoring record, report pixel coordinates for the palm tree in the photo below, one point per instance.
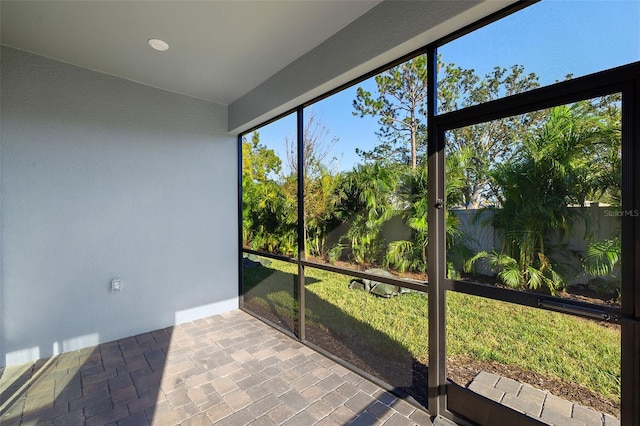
(268, 210)
(412, 254)
(552, 171)
(322, 196)
(369, 196)
(603, 256)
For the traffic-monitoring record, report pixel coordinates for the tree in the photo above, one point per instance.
(606, 160)
(552, 173)
(317, 145)
(321, 190)
(268, 214)
(400, 105)
(401, 111)
(603, 256)
(411, 254)
(258, 161)
(487, 144)
(368, 203)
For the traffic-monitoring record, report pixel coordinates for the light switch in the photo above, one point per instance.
(116, 286)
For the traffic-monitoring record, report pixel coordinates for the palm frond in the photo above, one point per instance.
(602, 256)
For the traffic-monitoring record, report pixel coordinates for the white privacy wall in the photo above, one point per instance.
(103, 178)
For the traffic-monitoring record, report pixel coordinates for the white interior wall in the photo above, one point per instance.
(103, 178)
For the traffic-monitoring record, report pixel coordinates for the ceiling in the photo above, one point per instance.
(219, 50)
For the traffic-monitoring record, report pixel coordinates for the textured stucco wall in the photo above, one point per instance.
(103, 178)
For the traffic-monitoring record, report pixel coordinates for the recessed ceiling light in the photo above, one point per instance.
(158, 44)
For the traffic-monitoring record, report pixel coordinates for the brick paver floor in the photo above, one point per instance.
(228, 369)
(537, 403)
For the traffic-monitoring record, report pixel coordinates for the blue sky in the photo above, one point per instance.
(552, 38)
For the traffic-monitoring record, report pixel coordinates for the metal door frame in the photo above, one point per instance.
(455, 402)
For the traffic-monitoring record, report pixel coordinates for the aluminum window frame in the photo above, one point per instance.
(624, 79)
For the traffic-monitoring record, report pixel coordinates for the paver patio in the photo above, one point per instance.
(229, 369)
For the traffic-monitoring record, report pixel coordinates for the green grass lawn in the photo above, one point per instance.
(570, 348)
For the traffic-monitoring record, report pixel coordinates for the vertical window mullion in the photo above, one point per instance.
(301, 224)
(240, 227)
(435, 249)
(630, 364)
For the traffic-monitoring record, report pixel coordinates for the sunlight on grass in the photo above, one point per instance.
(403, 319)
(573, 349)
(379, 314)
